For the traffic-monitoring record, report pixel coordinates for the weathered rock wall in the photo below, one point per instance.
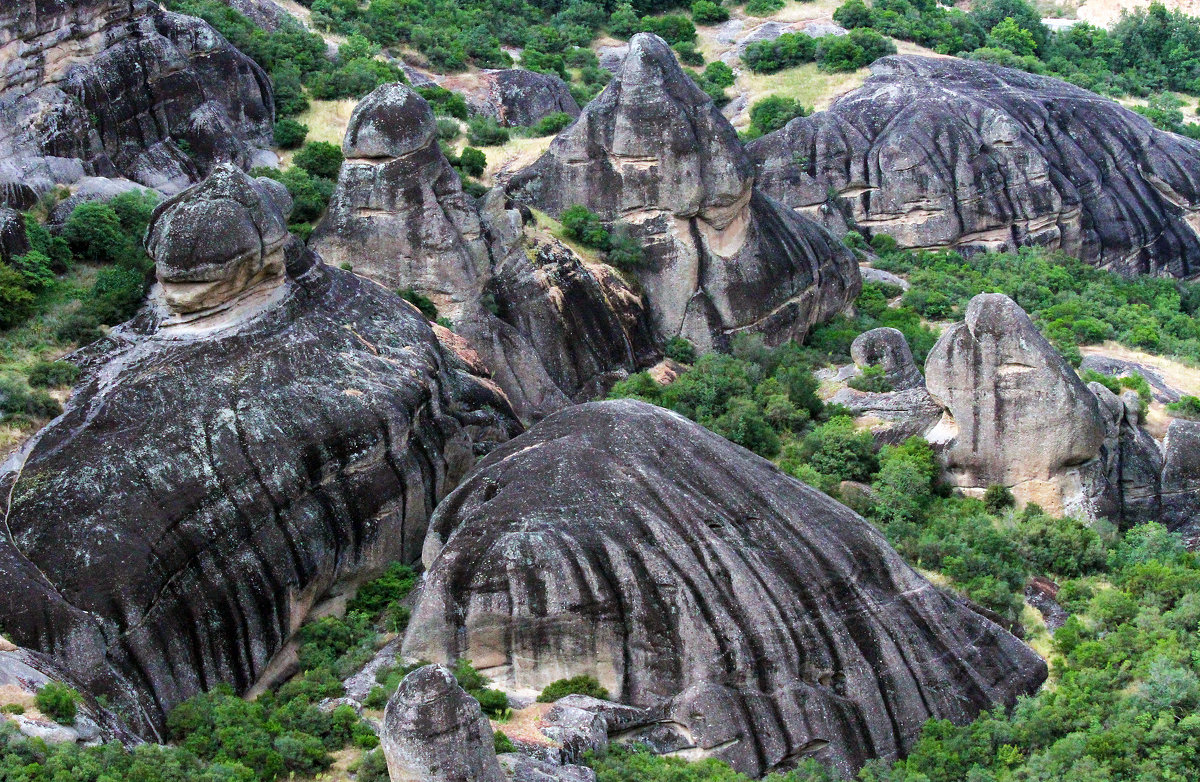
(943, 152)
(764, 621)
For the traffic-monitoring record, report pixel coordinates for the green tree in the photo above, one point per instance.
(1010, 35)
(320, 159)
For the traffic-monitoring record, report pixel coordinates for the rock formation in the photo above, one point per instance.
(121, 88)
(887, 348)
(944, 152)
(265, 433)
(550, 325)
(267, 14)
(434, 732)
(516, 97)
(762, 620)
(1006, 388)
(13, 241)
(1181, 480)
(654, 153)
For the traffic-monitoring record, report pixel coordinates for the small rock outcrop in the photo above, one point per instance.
(945, 152)
(1006, 388)
(13, 241)
(517, 97)
(551, 326)
(653, 152)
(762, 620)
(434, 732)
(887, 348)
(266, 433)
(121, 88)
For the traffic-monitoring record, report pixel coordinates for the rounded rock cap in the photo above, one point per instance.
(390, 122)
(204, 232)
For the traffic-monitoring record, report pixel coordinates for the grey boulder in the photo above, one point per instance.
(762, 620)
(434, 732)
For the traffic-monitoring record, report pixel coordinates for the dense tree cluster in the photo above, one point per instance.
(1149, 50)
(1073, 303)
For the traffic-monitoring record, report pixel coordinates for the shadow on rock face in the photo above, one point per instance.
(223, 467)
(761, 619)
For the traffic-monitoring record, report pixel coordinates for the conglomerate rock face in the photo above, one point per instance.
(761, 619)
(654, 153)
(943, 152)
(223, 466)
(121, 88)
(551, 326)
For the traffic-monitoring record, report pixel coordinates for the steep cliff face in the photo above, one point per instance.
(759, 618)
(551, 326)
(654, 152)
(265, 434)
(121, 88)
(952, 153)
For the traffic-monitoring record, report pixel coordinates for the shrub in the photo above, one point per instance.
(1187, 407)
(52, 374)
(624, 250)
(681, 350)
(94, 232)
(320, 159)
(708, 12)
(872, 379)
(394, 584)
(576, 685)
(836, 448)
(774, 111)
(502, 743)
(445, 102)
(624, 21)
(290, 134)
(688, 53)
(16, 300)
(857, 49)
(584, 226)
(672, 28)
(472, 161)
(997, 498)
(1007, 34)
(448, 129)
(486, 132)
(763, 7)
(81, 328)
(551, 124)
(786, 51)
(58, 702)
(16, 398)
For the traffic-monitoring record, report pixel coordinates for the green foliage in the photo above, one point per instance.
(1071, 302)
(502, 743)
(786, 51)
(447, 129)
(871, 378)
(320, 159)
(624, 21)
(486, 132)
(310, 194)
(1011, 36)
(688, 53)
(672, 28)
(95, 234)
(576, 685)
(833, 339)
(58, 702)
(445, 102)
(290, 134)
(584, 226)
(707, 12)
(773, 112)
(637, 763)
(17, 399)
(551, 124)
(52, 374)
(1187, 407)
(857, 49)
(681, 350)
(493, 702)
(763, 7)
(998, 498)
(715, 78)
(394, 584)
(472, 161)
